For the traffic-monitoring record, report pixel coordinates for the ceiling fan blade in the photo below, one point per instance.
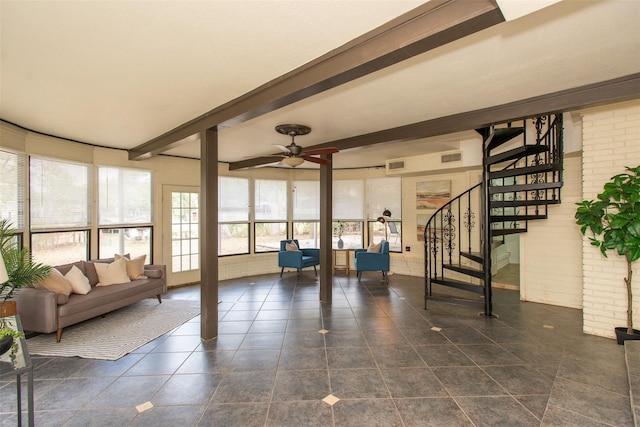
(282, 147)
(317, 160)
(328, 150)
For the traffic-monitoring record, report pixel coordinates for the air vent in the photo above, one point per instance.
(455, 157)
(396, 165)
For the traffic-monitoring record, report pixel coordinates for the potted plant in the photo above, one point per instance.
(8, 335)
(614, 222)
(21, 270)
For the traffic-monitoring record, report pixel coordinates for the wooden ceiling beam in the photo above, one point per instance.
(611, 91)
(426, 27)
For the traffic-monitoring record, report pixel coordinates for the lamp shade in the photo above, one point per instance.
(3, 271)
(293, 161)
(386, 213)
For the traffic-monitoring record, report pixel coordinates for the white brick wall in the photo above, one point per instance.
(550, 252)
(611, 141)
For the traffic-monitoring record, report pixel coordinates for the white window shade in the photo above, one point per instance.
(124, 196)
(270, 199)
(348, 199)
(59, 194)
(233, 199)
(12, 189)
(306, 200)
(384, 193)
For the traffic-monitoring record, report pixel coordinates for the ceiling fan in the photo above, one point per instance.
(294, 155)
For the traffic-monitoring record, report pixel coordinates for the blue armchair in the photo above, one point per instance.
(373, 261)
(304, 257)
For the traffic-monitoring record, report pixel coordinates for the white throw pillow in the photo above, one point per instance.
(135, 267)
(374, 248)
(112, 274)
(291, 246)
(79, 282)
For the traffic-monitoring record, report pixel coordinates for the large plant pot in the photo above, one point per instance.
(622, 335)
(5, 344)
(8, 308)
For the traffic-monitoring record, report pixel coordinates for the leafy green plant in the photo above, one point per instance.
(614, 222)
(21, 269)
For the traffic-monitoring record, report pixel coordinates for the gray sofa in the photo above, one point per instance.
(45, 311)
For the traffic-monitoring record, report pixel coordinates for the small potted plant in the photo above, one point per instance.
(21, 270)
(8, 337)
(614, 222)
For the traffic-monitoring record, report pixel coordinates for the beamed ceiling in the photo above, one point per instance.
(378, 79)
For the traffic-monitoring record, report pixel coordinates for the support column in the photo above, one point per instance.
(209, 233)
(326, 227)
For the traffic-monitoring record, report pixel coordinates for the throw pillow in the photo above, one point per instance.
(112, 274)
(55, 282)
(135, 267)
(79, 282)
(291, 246)
(375, 248)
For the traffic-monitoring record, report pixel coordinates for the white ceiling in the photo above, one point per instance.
(120, 73)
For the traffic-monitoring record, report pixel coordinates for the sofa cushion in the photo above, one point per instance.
(291, 246)
(111, 274)
(55, 282)
(64, 269)
(135, 266)
(79, 282)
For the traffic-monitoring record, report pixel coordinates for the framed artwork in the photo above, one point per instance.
(432, 195)
(421, 222)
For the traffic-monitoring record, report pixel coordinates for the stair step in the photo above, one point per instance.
(507, 231)
(465, 269)
(473, 256)
(527, 170)
(517, 153)
(459, 284)
(512, 218)
(516, 203)
(498, 189)
(503, 135)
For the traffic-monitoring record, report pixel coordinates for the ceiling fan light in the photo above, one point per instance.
(293, 161)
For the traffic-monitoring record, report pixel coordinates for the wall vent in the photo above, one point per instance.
(396, 165)
(455, 157)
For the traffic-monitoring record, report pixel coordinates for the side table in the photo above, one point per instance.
(16, 362)
(347, 263)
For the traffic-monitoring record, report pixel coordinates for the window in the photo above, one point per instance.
(270, 213)
(233, 215)
(348, 212)
(134, 241)
(62, 247)
(185, 231)
(124, 198)
(12, 189)
(385, 194)
(60, 217)
(307, 233)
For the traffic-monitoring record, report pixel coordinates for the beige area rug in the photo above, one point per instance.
(118, 333)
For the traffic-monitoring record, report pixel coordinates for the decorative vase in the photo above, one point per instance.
(340, 243)
(5, 344)
(622, 335)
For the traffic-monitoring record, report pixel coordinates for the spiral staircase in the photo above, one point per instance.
(521, 177)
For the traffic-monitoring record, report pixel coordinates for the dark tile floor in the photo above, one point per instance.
(389, 362)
